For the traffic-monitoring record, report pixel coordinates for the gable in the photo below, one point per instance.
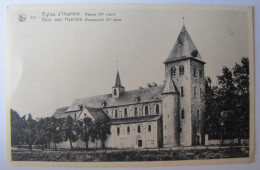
(93, 113)
(85, 113)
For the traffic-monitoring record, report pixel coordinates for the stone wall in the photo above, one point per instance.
(225, 142)
(192, 108)
(78, 144)
(132, 138)
(171, 125)
(183, 81)
(197, 102)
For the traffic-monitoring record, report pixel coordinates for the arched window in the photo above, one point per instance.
(173, 71)
(115, 92)
(139, 129)
(128, 129)
(149, 128)
(157, 109)
(125, 112)
(135, 111)
(146, 110)
(200, 73)
(118, 130)
(116, 113)
(194, 71)
(181, 70)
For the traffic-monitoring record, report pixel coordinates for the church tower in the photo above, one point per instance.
(118, 88)
(185, 68)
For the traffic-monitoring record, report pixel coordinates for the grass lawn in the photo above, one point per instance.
(156, 155)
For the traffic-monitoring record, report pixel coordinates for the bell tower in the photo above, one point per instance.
(185, 67)
(117, 89)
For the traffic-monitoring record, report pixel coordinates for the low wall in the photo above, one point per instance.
(225, 142)
(77, 144)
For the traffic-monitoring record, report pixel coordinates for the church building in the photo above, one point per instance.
(168, 115)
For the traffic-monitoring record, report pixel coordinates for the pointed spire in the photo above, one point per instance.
(118, 81)
(184, 47)
(118, 88)
(117, 61)
(170, 86)
(183, 19)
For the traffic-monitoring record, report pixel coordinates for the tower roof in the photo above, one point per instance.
(184, 48)
(118, 81)
(170, 86)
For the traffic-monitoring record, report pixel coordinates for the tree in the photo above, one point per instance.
(241, 79)
(227, 102)
(17, 128)
(87, 129)
(71, 130)
(227, 105)
(95, 135)
(55, 131)
(104, 132)
(226, 90)
(43, 133)
(101, 131)
(212, 113)
(30, 131)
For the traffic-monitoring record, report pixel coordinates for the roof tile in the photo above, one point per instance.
(129, 97)
(60, 112)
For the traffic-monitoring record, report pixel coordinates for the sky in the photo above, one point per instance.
(51, 64)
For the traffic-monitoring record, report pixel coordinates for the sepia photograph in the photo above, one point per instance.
(136, 83)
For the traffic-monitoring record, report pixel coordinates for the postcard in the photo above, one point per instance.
(129, 85)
